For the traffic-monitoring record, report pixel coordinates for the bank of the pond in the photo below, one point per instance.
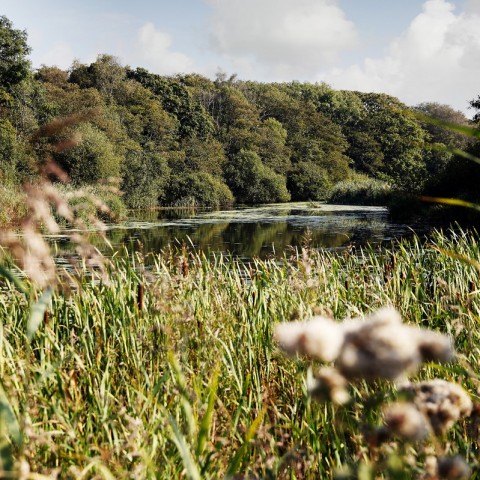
(172, 371)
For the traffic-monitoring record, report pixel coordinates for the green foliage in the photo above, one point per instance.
(144, 180)
(13, 204)
(360, 190)
(14, 66)
(306, 136)
(92, 159)
(204, 391)
(253, 182)
(308, 181)
(198, 190)
(177, 100)
(204, 156)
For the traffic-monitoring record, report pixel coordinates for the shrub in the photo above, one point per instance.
(198, 190)
(308, 181)
(361, 191)
(253, 182)
(144, 179)
(12, 199)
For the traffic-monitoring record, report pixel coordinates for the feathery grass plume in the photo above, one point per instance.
(47, 205)
(403, 419)
(442, 403)
(328, 384)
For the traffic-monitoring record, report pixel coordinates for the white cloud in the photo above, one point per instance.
(154, 52)
(280, 38)
(436, 59)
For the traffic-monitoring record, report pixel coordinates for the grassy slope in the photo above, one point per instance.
(193, 384)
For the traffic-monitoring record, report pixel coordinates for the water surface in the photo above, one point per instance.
(260, 231)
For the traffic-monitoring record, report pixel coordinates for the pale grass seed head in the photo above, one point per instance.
(378, 347)
(319, 338)
(328, 384)
(403, 419)
(442, 403)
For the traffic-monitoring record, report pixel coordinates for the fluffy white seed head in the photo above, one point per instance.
(405, 420)
(442, 403)
(328, 384)
(319, 338)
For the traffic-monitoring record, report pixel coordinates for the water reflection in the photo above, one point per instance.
(263, 231)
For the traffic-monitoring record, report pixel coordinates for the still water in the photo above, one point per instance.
(260, 231)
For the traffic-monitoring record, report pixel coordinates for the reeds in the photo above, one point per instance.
(189, 382)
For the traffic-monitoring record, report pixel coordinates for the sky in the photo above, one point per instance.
(416, 50)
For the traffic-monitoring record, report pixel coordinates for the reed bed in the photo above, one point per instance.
(172, 370)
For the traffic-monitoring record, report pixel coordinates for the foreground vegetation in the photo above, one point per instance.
(166, 367)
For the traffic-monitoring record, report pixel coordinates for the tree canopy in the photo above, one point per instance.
(186, 138)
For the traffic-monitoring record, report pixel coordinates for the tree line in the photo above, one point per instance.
(192, 141)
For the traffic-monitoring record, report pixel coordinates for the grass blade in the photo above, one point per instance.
(38, 312)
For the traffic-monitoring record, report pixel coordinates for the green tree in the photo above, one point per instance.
(308, 181)
(92, 159)
(401, 138)
(145, 176)
(14, 66)
(198, 189)
(204, 156)
(475, 104)
(253, 182)
(440, 134)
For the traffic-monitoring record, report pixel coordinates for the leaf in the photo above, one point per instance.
(459, 256)
(9, 419)
(184, 450)
(207, 418)
(6, 459)
(252, 430)
(8, 274)
(38, 312)
(451, 201)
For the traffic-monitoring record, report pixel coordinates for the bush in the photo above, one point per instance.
(308, 181)
(253, 182)
(85, 202)
(361, 191)
(198, 190)
(145, 177)
(92, 159)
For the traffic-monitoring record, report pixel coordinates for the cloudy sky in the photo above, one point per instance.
(417, 50)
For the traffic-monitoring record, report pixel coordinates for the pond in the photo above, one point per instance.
(260, 231)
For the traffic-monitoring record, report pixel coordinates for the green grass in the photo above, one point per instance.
(191, 385)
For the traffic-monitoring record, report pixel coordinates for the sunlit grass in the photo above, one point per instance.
(172, 371)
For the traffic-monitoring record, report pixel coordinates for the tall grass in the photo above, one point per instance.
(172, 371)
(361, 190)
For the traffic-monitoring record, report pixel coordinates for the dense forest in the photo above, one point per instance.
(191, 141)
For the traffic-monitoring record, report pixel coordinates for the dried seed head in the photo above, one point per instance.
(405, 420)
(328, 384)
(453, 468)
(378, 347)
(442, 403)
(320, 338)
(435, 347)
